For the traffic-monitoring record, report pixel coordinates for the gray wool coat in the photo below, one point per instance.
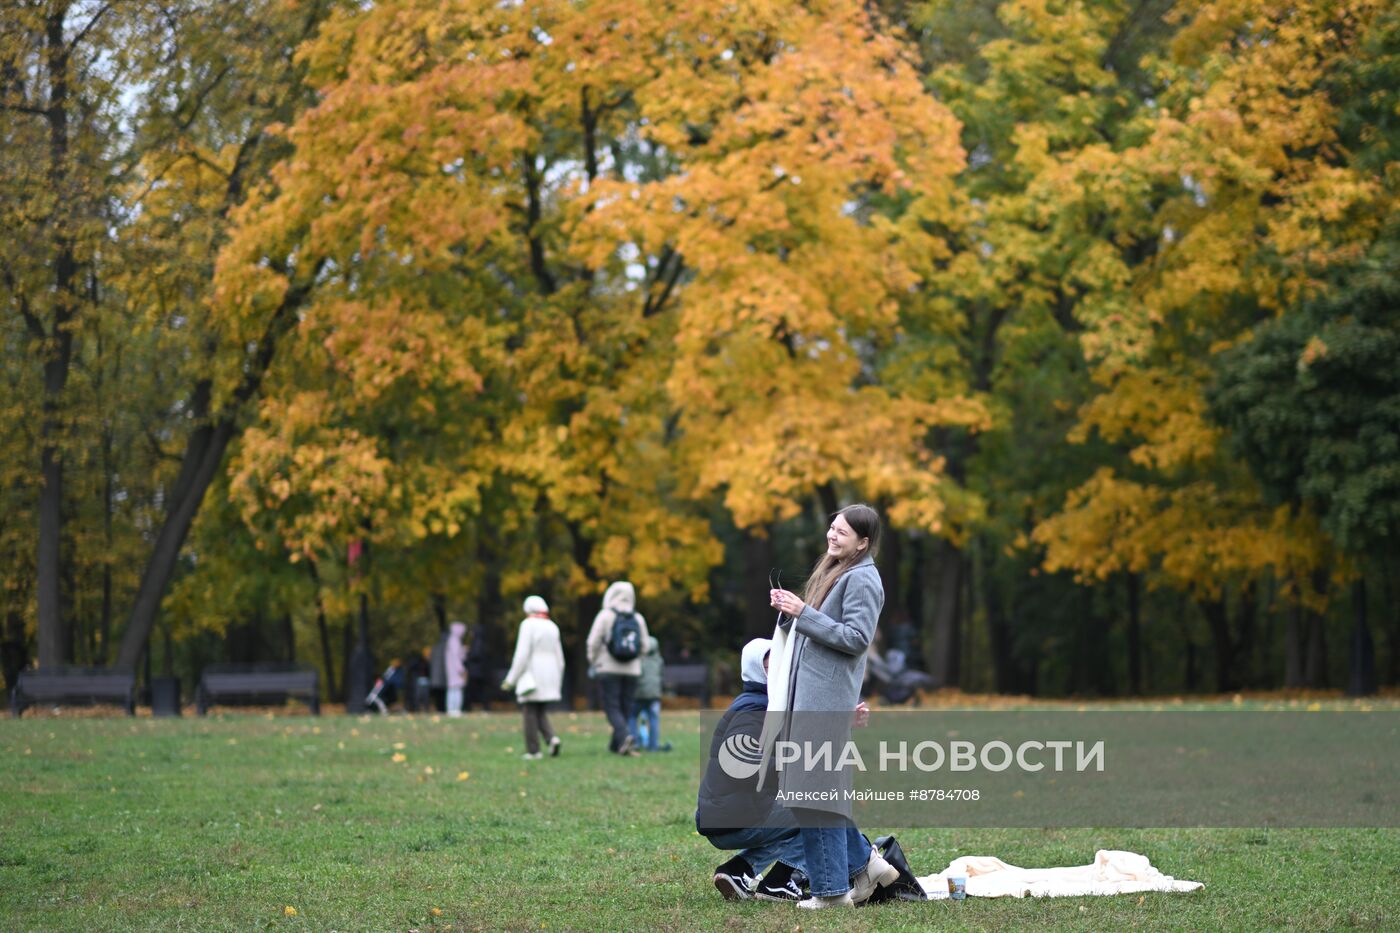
(828, 666)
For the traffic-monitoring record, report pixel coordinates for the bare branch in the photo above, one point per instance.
(36, 327)
(652, 308)
(25, 108)
(82, 34)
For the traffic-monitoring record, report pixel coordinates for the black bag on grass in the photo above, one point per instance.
(906, 886)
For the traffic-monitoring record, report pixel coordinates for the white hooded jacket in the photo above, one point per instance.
(539, 654)
(620, 597)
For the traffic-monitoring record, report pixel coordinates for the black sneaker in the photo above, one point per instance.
(780, 884)
(734, 880)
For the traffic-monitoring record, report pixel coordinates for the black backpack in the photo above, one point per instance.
(625, 642)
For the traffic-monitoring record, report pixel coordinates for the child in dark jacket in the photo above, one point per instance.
(732, 814)
(645, 721)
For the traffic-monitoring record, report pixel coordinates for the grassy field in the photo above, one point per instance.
(252, 822)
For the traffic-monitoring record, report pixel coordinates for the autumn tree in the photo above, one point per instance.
(1048, 222)
(580, 268)
(1312, 402)
(116, 117)
(204, 144)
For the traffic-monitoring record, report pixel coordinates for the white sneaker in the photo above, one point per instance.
(532, 756)
(821, 903)
(554, 745)
(876, 874)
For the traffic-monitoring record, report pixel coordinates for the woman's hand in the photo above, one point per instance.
(786, 602)
(862, 716)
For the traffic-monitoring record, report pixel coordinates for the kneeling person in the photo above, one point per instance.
(732, 814)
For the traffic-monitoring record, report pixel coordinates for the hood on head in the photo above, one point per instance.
(457, 629)
(751, 660)
(620, 597)
(536, 604)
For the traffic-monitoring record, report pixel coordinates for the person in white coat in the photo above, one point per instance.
(455, 662)
(537, 675)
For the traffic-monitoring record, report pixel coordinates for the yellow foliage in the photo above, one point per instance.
(499, 303)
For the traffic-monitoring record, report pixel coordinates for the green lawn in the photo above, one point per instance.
(225, 822)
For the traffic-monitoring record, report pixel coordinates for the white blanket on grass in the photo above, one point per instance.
(1113, 872)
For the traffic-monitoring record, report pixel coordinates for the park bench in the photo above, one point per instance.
(687, 680)
(74, 685)
(257, 683)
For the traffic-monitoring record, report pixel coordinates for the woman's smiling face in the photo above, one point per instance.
(842, 541)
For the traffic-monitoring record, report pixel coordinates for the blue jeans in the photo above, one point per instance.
(833, 853)
(760, 846)
(645, 724)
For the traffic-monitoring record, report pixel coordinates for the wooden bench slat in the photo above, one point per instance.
(220, 682)
(249, 684)
(89, 685)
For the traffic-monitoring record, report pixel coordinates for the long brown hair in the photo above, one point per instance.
(865, 522)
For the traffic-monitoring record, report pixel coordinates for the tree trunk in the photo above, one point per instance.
(1090, 673)
(967, 606)
(204, 452)
(756, 575)
(167, 666)
(1245, 640)
(999, 638)
(942, 642)
(1134, 634)
(1393, 670)
(488, 599)
(1362, 681)
(332, 686)
(1293, 648)
(241, 638)
(888, 563)
(289, 637)
(14, 656)
(347, 648)
(1315, 666)
(1218, 619)
(360, 668)
(54, 648)
(586, 608)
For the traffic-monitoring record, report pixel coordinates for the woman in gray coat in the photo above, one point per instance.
(831, 626)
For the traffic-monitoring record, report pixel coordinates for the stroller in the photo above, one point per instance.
(895, 681)
(386, 688)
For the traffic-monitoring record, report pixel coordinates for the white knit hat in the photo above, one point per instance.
(535, 604)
